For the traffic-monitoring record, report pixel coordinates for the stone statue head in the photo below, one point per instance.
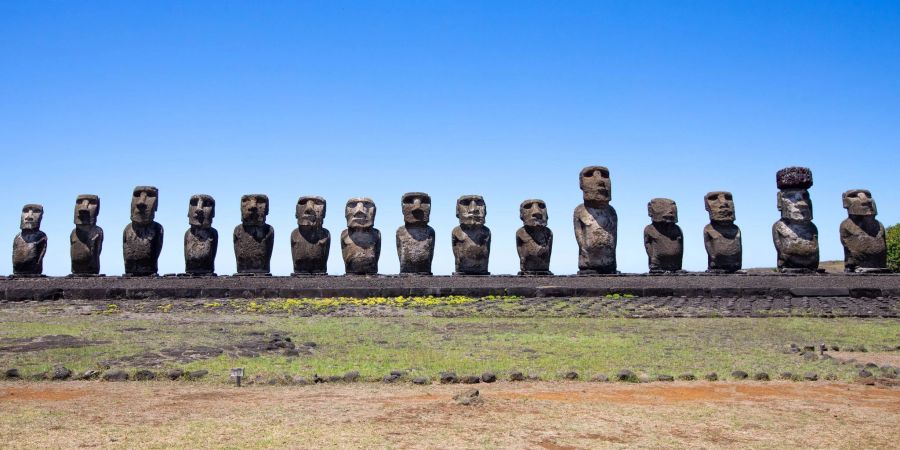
(32, 214)
(416, 208)
(201, 210)
(87, 208)
(595, 184)
(310, 211)
(662, 210)
(859, 202)
(720, 205)
(360, 213)
(795, 204)
(533, 213)
(254, 209)
(143, 204)
(471, 210)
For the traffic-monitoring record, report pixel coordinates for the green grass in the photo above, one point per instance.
(425, 345)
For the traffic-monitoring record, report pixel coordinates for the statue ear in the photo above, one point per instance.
(779, 200)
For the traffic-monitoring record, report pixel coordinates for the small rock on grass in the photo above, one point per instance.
(665, 378)
(88, 375)
(865, 374)
(687, 377)
(571, 375)
(144, 375)
(712, 376)
(174, 374)
(470, 379)
(197, 374)
(810, 376)
(421, 380)
(626, 375)
(739, 375)
(12, 374)
(390, 378)
(516, 376)
(351, 376)
(469, 397)
(488, 377)
(60, 372)
(115, 375)
(761, 376)
(831, 377)
(600, 378)
(786, 376)
(448, 378)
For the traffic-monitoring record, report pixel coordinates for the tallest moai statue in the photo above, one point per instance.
(596, 223)
(795, 236)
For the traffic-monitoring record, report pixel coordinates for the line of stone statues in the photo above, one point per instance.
(595, 223)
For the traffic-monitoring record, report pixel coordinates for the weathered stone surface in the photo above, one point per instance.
(361, 241)
(254, 238)
(596, 223)
(59, 372)
(663, 239)
(534, 241)
(142, 239)
(415, 239)
(201, 240)
(86, 240)
(448, 378)
(795, 236)
(469, 397)
(471, 239)
(488, 377)
(863, 238)
(115, 375)
(30, 244)
(721, 237)
(310, 242)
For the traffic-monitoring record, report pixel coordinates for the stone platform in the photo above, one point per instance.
(694, 285)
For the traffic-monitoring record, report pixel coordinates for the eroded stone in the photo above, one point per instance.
(795, 236)
(534, 241)
(596, 223)
(721, 237)
(415, 239)
(361, 241)
(310, 242)
(201, 240)
(30, 245)
(471, 239)
(863, 238)
(663, 239)
(86, 240)
(254, 239)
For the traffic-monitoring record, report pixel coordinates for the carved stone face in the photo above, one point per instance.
(201, 210)
(87, 208)
(533, 213)
(310, 211)
(595, 184)
(144, 204)
(720, 205)
(859, 202)
(254, 209)
(662, 210)
(360, 213)
(32, 215)
(416, 208)
(795, 204)
(471, 210)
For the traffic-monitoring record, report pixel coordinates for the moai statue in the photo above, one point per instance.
(254, 238)
(471, 239)
(534, 241)
(596, 223)
(86, 240)
(865, 247)
(721, 237)
(663, 238)
(415, 239)
(201, 240)
(142, 239)
(361, 241)
(30, 245)
(796, 237)
(310, 242)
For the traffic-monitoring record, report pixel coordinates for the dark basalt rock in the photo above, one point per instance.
(795, 236)
(863, 238)
(596, 223)
(471, 239)
(721, 237)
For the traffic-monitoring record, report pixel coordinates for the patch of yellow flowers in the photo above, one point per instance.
(291, 304)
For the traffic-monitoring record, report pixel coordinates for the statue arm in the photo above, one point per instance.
(157, 249)
(215, 243)
(579, 230)
(377, 244)
(99, 240)
(43, 247)
(270, 239)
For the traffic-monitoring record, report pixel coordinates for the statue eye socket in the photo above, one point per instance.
(542, 206)
(194, 201)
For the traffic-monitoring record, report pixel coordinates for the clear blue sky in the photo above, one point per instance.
(504, 99)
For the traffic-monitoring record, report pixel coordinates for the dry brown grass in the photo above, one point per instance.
(551, 415)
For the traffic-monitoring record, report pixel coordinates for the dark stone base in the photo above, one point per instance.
(471, 274)
(416, 274)
(252, 274)
(309, 274)
(591, 272)
(535, 273)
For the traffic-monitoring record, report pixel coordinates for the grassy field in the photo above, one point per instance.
(216, 337)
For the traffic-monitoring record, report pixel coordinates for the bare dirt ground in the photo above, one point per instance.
(550, 415)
